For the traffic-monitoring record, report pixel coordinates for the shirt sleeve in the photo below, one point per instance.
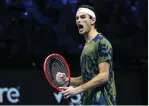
(104, 51)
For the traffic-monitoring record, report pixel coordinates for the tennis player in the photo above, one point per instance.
(97, 77)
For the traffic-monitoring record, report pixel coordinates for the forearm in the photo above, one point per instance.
(95, 82)
(76, 81)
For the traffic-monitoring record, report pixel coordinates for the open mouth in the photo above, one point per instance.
(80, 26)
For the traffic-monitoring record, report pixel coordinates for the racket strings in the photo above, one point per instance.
(61, 66)
(55, 65)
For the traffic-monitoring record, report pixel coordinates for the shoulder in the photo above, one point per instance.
(103, 41)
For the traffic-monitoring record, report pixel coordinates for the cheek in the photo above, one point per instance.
(87, 24)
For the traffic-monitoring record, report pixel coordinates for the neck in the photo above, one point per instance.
(90, 35)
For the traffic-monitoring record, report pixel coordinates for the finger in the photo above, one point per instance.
(67, 97)
(66, 91)
(66, 94)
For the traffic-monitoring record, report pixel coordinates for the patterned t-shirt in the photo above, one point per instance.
(96, 51)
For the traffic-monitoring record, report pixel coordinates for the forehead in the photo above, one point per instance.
(80, 14)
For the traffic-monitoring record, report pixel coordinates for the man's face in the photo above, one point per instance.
(84, 22)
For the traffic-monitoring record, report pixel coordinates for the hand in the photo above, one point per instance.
(69, 91)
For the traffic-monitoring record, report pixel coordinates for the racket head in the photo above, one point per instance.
(47, 69)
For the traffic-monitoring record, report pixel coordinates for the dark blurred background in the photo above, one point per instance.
(30, 30)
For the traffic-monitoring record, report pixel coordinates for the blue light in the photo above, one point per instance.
(133, 8)
(80, 46)
(8, 1)
(25, 13)
(64, 1)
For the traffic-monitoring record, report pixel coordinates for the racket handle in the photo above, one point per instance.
(60, 89)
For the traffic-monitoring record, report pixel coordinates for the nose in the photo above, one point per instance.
(78, 21)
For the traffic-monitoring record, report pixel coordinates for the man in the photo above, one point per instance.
(97, 77)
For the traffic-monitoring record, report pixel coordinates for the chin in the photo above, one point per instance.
(83, 33)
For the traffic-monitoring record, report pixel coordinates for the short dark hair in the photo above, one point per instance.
(91, 8)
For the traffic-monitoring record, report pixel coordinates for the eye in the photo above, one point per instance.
(77, 18)
(83, 16)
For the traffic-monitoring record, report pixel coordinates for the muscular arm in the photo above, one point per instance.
(98, 80)
(76, 81)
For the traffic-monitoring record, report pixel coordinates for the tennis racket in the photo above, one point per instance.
(54, 65)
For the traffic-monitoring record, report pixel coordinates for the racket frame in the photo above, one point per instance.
(45, 70)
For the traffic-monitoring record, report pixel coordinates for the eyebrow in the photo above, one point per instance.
(80, 15)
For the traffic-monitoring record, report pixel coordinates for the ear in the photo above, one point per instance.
(93, 21)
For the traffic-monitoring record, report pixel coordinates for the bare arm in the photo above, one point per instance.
(98, 80)
(76, 81)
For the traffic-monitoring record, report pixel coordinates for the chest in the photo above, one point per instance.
(89, 52)
(89, 57)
